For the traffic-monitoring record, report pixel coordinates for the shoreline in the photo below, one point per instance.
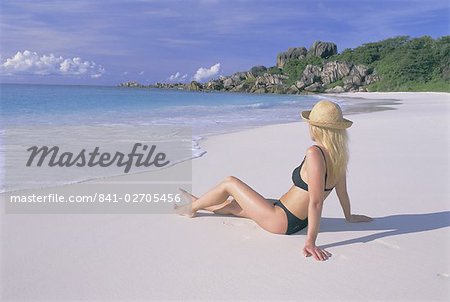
(357, 103)
(374, 99)
(350, 107)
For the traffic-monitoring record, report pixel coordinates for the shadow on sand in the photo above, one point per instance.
(389, 225)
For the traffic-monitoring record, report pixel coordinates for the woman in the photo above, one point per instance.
(323, 168)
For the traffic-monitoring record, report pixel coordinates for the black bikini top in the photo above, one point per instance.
(297, 179)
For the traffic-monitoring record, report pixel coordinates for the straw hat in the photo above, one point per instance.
(326, 114)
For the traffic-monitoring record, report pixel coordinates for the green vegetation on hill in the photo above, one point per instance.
(402, 63)
(274, 70)
(396, 64)
(405, 64)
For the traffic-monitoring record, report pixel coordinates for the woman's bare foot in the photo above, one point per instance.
(185, 209)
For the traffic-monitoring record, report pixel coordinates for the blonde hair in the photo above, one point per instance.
(336, 143)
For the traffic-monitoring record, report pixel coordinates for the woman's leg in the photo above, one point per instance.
(253, 205)
(228, 207)
(231, 207)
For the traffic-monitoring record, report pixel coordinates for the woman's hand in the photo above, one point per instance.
(359, 218)
(318, 253)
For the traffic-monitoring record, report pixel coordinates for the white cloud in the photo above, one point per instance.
(96, 76)
(178, 77)
(141, 73)
(32, 63)
(204, 73)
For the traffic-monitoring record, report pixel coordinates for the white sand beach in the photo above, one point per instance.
(399, 174)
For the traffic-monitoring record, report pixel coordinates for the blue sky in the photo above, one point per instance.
(108, 42)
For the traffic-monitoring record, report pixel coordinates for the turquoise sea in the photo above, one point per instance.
(60, 107)
(208, 113)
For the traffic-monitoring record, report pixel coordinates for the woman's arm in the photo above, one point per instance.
(315, 167)
(341, 191)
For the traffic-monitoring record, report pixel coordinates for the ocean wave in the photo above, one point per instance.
(257, 106)
(292, 102)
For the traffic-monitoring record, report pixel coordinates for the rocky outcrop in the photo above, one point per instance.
(214, 85)
(316, 78)
(300, 85)
(311, 74)
(372, 78)
(270, 79)
(334, 71)
(131, 84)
(331, 76)
(322, 49)
(258, 70)
(290, 54)
(236, 79)
(195, 86)
(318, 49)
(167, 86)
(315, 87)
(336, 89)
(242, 87)
(356, 77)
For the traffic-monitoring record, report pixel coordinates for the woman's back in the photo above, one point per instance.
(297, 198)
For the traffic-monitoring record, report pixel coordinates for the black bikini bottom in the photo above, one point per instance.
(295, 224)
